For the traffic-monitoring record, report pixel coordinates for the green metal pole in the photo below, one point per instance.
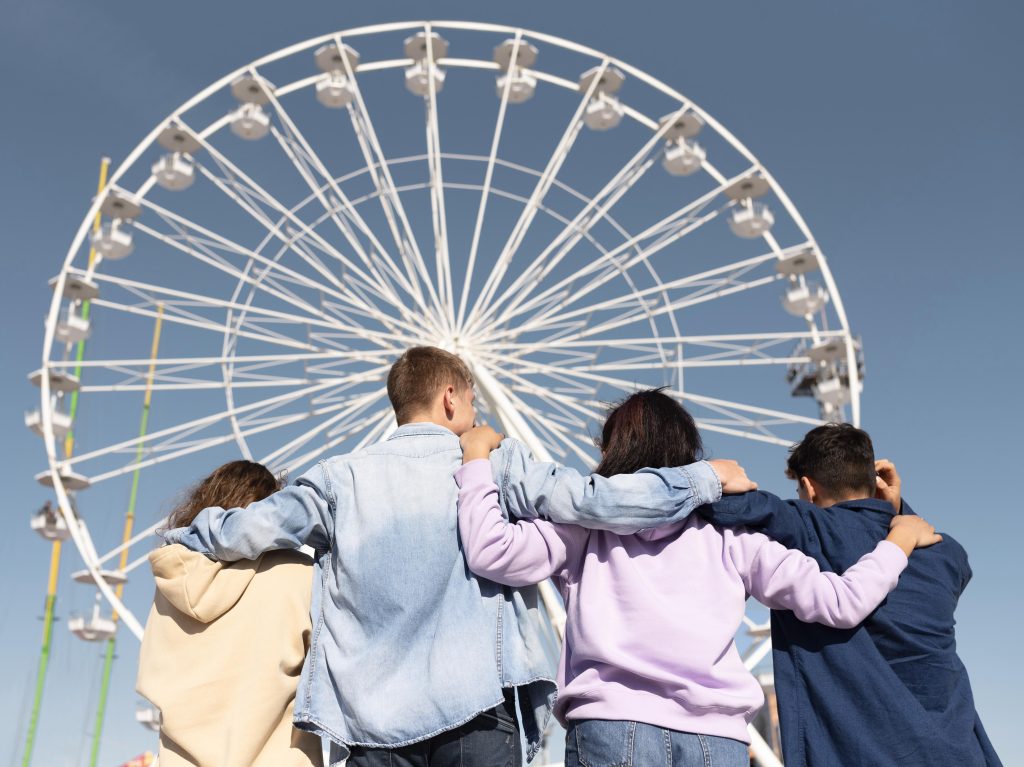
(101, 710)
(129, 522)
(44, 662)
(51, 590)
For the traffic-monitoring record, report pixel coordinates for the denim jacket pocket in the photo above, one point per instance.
(601, 743)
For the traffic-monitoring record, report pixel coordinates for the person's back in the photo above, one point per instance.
(221, 658)
(225, 644)
(902, 658)
(417, 650)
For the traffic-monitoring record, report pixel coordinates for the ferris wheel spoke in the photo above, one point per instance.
(544, 183)
(240, 361)
(665, 232)
(293, 243)
(183, 225)
(551, 431)
(189, 427)
(286, 450)
(178, 299)
(158, 457)
(523, 367)
(204, 325)
(677, 305)
(727, 350)
(228, 167)
(379, 421)
(350, 209)
(439, 217)
(757, 436)
(198, 251)
(380, 172)
(566, 404)
(702, 285)
(734, 418)
(595, 211)
(488, 177)
(295, 135)
(233, 170)
(197, 244)
(343, 224)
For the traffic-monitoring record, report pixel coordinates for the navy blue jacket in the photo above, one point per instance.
(892, 691)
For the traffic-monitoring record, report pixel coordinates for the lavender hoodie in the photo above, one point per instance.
(650, 638)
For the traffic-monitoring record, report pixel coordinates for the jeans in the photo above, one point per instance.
(601, 743)
(490, 740)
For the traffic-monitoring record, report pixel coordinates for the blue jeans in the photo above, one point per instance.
(490, 740)
(601, 743)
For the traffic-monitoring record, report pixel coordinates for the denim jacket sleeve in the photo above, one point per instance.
(622, 504)
(300, 514)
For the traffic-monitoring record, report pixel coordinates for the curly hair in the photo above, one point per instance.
(232, 485)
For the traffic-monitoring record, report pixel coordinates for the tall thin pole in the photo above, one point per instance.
(129, 524)
(55, 549)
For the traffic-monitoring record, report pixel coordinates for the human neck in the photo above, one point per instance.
(427, 418)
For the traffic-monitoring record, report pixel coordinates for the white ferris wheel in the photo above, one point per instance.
(570, 225)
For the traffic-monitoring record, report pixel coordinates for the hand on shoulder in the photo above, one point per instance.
(911, 532)
(733, 477)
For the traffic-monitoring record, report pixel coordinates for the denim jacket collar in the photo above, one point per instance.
(420, 429)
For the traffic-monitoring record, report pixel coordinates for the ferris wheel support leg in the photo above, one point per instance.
(514, 425)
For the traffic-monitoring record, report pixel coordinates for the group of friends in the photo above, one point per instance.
(387, 601)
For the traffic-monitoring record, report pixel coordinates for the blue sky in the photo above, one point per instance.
(893, 127)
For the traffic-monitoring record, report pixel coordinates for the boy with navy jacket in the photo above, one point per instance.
(892, 691)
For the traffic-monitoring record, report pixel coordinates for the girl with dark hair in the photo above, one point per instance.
(225, 642)
(649, 674)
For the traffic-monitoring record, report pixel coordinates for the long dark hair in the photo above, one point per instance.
(647, 428)
(234, 484)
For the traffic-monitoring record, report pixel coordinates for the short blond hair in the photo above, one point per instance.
(418, 374)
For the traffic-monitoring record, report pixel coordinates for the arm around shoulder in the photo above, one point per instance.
(298, 515)
(781, 520)
(623, 503)
(513, 553)
(786, 579)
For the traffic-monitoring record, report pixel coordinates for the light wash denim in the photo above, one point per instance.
(603, 743)
(407, 643)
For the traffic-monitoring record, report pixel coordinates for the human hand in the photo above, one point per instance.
(733, 477)
(478, 442)
(887, 483)
(910, 532)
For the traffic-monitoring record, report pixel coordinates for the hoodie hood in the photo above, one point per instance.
(197, 586)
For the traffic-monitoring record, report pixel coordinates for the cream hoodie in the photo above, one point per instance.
(222, 655)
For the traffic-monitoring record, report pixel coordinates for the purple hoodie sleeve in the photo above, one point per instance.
(785, 579)
(520, 554)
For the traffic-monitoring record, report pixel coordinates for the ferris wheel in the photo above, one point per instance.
(571, 226)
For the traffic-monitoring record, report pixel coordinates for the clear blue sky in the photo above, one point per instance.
(895, 128)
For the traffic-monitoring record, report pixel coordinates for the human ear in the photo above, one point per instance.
(808, 489)
(449, 401)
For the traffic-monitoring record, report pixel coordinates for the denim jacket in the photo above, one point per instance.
(407, 643)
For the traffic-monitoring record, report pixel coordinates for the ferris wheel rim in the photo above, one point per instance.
(131, 159)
